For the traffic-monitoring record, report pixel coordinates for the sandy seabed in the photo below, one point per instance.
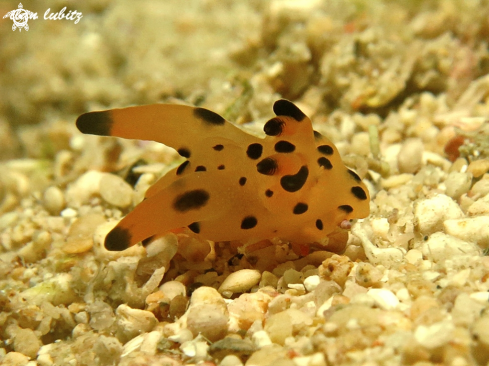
(401, 88)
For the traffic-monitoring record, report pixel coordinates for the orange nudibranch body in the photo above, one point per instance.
(292, 184)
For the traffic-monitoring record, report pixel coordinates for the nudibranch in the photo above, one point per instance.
(291, 184)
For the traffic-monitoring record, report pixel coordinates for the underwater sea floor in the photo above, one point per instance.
(401, 88)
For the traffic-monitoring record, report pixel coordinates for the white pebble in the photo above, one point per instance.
(182, 336)
(435, 335)
(482, 297)
(69, 213)
(133, 345)
(479, 207)
(384, 298)
(132, 322)
(261, 339)
(172, 289)
(481, 188)
(471, 229)
(240, 281)
(457, 184)
(316, 359)
(440, 247)
(413, 256)
(80, 191)
(403, 295)
(54, 200)
(195, 349)
(297, 286)
(231, 360)
(311, 282)
(115, 190)
(410, 156)
(150, 342)
(207, 314)
(431, 212)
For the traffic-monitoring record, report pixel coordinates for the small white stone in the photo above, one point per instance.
(311, 282)
(435, 335)
(173, 288)
(413, 256)
(133, 345)
(479, 207)
(182, 336)
(53, 200)
(82, 317)
(481, 188)
(132, 322)
(69, 213)
(457, 184)
(440, 247)
(231, 360)
(471, 229)
(297, 286)
(261, 339)
(80, 191)
(460, 278)
(207, 314)
(430, 213)
(403, 295)
(150, 342)
(240, 281)
(431, 275)
(482, 296)
(195, 349)
(380, 227)
(45, 360)
(384, 298)
(316, 359)
(410, 156)
(115, 190)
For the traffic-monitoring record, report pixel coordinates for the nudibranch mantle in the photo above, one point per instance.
(291, 185)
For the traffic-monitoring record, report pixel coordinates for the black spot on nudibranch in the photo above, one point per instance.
(182, 167)
(254, 151)
(183, 151)
(95, 123)
(201, 168)
(221, 167)
(317, 135)
(194, 227)
(242, 181)
(346, 208)
(284, 147)
(267, 166)
(284, 107)
(209, 117)
(191, 200)
(118, 239)
(274, 127)
(292, 183)
(359, 193)
(218, 147)
(249, 222)
(300, 208)
(355, 176)
(319, 224)
(325, 163)
(325, 149)
(147, 241)
(269, 193)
